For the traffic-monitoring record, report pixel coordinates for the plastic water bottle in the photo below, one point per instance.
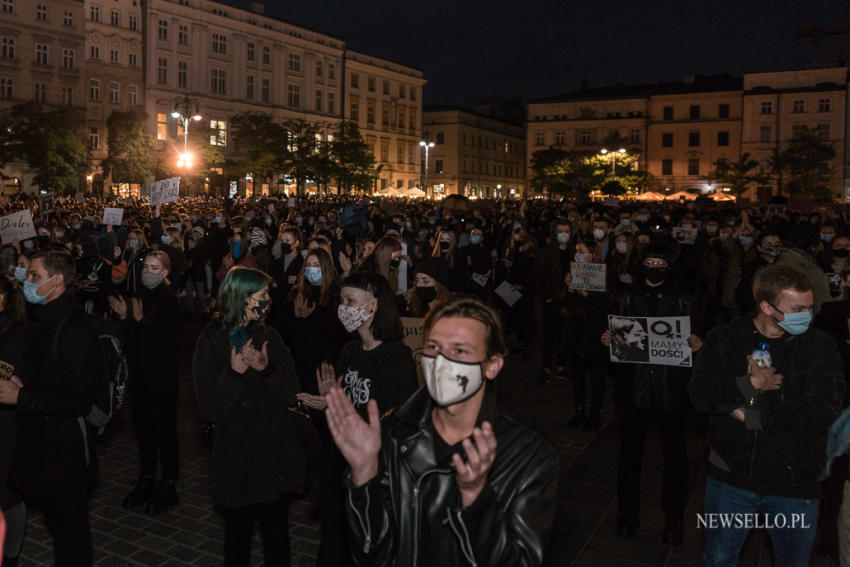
(762, 359)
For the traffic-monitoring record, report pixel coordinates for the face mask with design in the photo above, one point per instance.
(449, 381)
(31, 293)
(313, 274)
(261, 308)
(20, 274)
(563, 237)
(795, 323)
(353, 317)
(151, 280)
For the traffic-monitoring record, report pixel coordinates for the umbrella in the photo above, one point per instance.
(722, 197)
(390, 192)
(650, 196)
(681, 195)
(457, 203)
(416, 192)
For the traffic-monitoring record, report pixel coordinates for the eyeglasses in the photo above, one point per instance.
(655, 263)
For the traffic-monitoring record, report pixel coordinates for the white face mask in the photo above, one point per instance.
(563, 237)
(450, 382)
(353, 317)
(598, 233)
(622, 247)
(579, 257)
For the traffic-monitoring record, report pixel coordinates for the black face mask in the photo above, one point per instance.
(841, 253)
(445, 245)
(285, 248)
(426, 294)
(394, 264)
(655, 275)
(262, 308)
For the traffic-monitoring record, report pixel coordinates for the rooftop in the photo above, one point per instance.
(691, 84)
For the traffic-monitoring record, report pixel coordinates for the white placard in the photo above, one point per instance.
(507, 292)
(589, 276)
(165, 191)
(17, 226)
(651, 340)
(685, 235)
(112, 215)
(291, 203)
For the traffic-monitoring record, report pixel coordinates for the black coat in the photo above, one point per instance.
(412, 510)
(152, 346)
(11, 352)
(255, 450)
(51, 452)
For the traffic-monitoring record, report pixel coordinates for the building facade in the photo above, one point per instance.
(473, 155)
(42, 60)
(682, 129)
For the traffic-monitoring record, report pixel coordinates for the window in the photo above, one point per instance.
(94, 138)
(295, 62)
(115, 18)
(370, 83)
(441, 138)
(68, 58)
(401, 91)
(132, 95)
(293, 95)
(161, 126)
(438, 165)
(634, 136)
(5, 88)
(266, 89)
(68, 19)
(559, 138)
(183, 36)
(113, 56)
(331, 71)
(134, 22)
(668, 113)
(182, 74)
(162, 71)
(218, 81)
(370, 113)
(666, 167)
(162, 30)
(219, 137)
(318, 102)
(412, 121)
(114, 94)
(824, 105)
(250, 51)
(693, 139)
(400, 154)
(765, 134)
(822, 131)
(723, 111)
(401, 119)
(67, 96)
(723, 138)
(353, 111)
(267, 54)
(385, 153)
(799, 107)
(9, 7)
(133, 60)
(94, 90)
(412, 93)
(94, 13)
(693, 167)
(385, 115)
(318, 68)
(331, 103)
(767, 107)
(41, 13)
(667, 140)
(249, 87)
(355, 81)
(586, 136)
(41, 93)
(797, 130)
(94, 52)
(386, 87)
(694, 112)
(7, 48)
(219, 43)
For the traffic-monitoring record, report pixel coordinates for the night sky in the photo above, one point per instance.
(537, 48)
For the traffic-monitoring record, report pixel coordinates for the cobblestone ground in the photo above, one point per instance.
(192, 532)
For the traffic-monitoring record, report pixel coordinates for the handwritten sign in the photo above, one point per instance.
(112, 215)
(165, 191)
(651, 340)
(17, 226)
(589, 276)
(685, 235)
(413, 336)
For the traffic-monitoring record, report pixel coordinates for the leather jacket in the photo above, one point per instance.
(411, 514)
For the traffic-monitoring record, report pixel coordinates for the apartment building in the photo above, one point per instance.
(473, 154)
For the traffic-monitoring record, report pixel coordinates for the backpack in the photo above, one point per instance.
(111, 371)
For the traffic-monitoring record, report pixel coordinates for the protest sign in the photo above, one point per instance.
(589, 276)
(650, 340)
(507, 292)
(17, 226)
(112, 215)
(413, 336)
(685, 235)
(165, 191)
(46, 203)
(291, 203)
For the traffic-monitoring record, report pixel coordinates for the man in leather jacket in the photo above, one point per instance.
(445, 480)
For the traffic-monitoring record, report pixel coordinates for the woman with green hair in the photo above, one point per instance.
(245, 383)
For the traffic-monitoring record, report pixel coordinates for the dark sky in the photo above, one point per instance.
(537, 48)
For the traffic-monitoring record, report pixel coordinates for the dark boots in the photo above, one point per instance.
(142, 492)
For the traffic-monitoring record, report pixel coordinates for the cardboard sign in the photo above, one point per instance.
(165, 191)
(685, 235)
(651, 340)
(481, 279)
(508, 294)
(17, 226)
(413, 336)
(112, 215)
(6, 370)
(589, 276)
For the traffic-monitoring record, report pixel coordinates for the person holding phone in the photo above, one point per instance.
(245, 383)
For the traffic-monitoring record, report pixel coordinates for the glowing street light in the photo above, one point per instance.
(621, 151)
(183, 112)
(427, 146)
(185, 160)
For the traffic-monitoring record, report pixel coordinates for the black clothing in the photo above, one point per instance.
(274, 526)
(508, 524)
(386, 374)
(744, 292)
(135, 266)
(284, 277)
(11, 352)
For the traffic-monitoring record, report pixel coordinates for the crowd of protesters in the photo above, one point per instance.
(303, 300)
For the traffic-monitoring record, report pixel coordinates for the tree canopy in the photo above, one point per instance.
(130, 148)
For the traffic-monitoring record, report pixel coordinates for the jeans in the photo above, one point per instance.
(792, 545)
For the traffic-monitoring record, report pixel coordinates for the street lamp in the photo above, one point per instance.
(427, 146)
(183, 112)
(613, 159)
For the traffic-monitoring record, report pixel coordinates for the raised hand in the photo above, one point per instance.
(303, 309)
(325, 378)
(358, 441)
(118, 305)
(237, 362)
(137, 307)
(256, 359)
(344, 264)
(471, 476)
